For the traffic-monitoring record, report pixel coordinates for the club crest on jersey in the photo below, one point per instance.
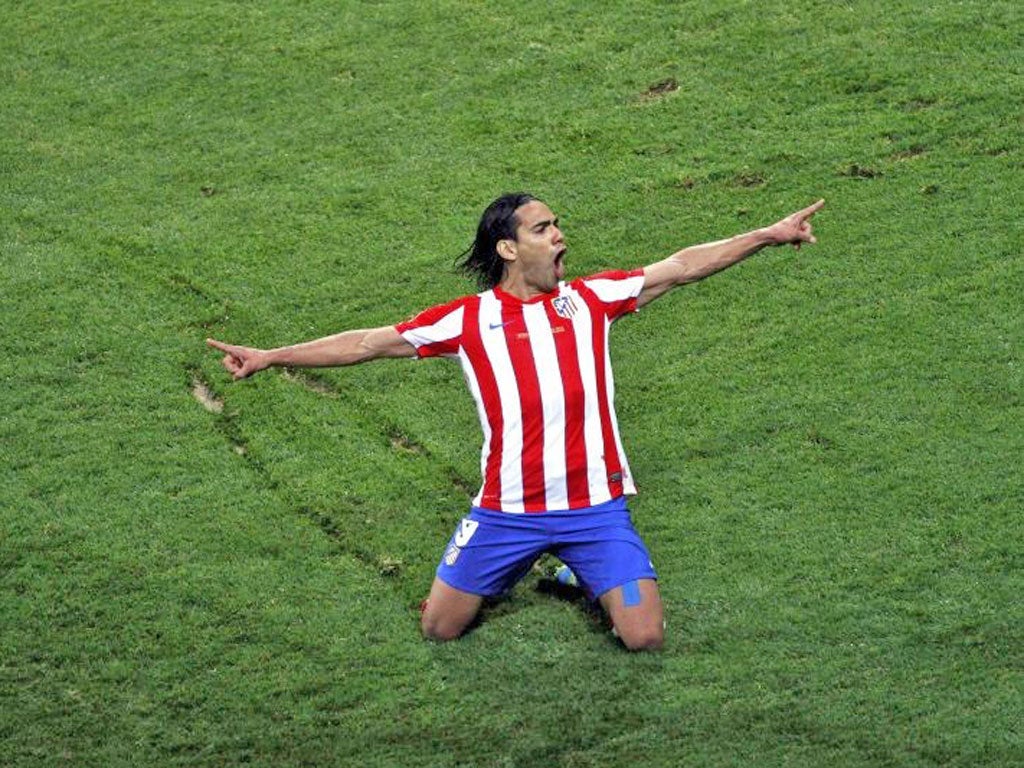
(564, 307)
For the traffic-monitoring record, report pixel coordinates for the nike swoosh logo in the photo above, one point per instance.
(496, 326)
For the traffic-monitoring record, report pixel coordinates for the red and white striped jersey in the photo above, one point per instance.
(541, 375)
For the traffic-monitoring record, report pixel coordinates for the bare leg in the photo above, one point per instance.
(635, 610)
(448, 611)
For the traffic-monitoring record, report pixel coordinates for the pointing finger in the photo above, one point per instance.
(812, 209)
(229, 348)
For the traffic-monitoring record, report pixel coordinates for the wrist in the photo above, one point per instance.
(764, 237)
(274, 357)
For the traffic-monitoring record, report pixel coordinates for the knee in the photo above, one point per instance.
(437, 629)
(643, 639)
(447, 613)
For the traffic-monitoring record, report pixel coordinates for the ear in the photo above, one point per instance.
(507, 249)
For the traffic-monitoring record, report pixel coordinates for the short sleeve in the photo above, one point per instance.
(616, 290)
(435, 331)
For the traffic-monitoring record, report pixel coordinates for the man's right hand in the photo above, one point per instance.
(241, 362)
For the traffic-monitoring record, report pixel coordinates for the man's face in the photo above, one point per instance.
(536, 255)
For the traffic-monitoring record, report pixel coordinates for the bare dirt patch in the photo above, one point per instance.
(660, 89)
(205, 396)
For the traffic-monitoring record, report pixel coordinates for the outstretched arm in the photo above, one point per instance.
(345, 348)
(699, 261)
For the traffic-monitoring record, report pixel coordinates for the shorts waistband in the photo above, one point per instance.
(618, 504)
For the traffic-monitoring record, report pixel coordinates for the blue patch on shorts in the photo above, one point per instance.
(491, 551)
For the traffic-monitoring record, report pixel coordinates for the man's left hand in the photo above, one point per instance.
(795, 229)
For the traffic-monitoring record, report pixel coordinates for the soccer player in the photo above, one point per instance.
(534, 350)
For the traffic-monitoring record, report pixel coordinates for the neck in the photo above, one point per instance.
(522, 290)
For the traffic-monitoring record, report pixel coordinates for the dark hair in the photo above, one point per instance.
(498, 222)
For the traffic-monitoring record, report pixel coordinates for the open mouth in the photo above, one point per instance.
(560, 263)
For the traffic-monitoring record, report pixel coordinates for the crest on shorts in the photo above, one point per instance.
(452, 555)
(564, 307)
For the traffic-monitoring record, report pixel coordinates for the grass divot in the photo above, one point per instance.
(405, 444)
(205, 396)
(660, 89)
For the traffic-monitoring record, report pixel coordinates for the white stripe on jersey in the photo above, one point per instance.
(582, 327)
(615, 290)
(545, 358)
(493, 335)
(627, 476)
(485, 423)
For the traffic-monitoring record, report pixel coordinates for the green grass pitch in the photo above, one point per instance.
(828, 442)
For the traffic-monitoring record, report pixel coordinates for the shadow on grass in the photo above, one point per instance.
(510, 603)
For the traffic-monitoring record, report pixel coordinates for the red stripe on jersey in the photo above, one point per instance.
(600, 324)
(437, 349)
(531, 405)
(490, 494)
(576, 480)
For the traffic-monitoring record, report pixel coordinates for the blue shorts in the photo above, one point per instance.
(491, 551)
